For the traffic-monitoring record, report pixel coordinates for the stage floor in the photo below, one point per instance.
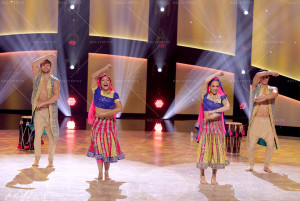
(158, 166)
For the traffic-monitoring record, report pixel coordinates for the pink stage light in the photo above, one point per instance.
(159, 103)
(71, 125)
(158, 127)
(72, 42)
(71, 101)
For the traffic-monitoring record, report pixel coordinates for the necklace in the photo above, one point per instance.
(215, 99)
(107, 92)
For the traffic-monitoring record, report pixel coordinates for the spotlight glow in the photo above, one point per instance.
(159, 69)
(72, 7)
(71, 101)
(191, 87)
(22, 71)
(245, 12)
(159, 103)
(125, 78)
(162, 9)
(243, 72)
(158, 127)
(71, 125)
(72, 67)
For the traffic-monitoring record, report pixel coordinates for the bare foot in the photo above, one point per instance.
(249, 169)
(35, 164)
(100, 177)
(202, 180)
(214, 180)
(107, 178)
(50, 164)
(268, 170)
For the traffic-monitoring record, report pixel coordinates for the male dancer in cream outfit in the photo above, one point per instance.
(261, 125)
(44, 106)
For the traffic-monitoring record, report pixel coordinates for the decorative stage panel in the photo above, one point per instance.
(129, 77)
(16, 78)
(208, 25)
(276, 37)
(189, 79)
(27, 17)
(119, 19)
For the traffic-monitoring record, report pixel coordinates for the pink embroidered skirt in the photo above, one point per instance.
(104, 141)
(212, 146)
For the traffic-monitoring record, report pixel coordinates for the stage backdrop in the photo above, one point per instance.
(16, 78)
(28, 16)
(120, 19)
(189, 79)
(129, 77)
(207, 24)
(276, 37)
(287, 111)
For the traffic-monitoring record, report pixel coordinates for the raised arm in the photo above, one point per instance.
(269, 96)
(209, 78)
(97, 74)
(36, 64)
(52, 99)
(258, 76)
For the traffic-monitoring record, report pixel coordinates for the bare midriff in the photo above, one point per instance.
(43, 94)
(101, 111)
(263, 109)
(214, 116)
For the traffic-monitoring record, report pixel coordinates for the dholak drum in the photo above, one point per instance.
(235, 131)
(26, 136)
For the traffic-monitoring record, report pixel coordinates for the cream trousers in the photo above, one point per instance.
(261, 128)
(41, 122)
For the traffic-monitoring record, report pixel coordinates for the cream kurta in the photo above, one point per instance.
(53, 111)
(258, 91)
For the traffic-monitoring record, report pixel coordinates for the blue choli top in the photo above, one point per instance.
(105, 101)
(210, 104)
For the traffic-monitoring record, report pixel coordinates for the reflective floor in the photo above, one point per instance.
(158, 166)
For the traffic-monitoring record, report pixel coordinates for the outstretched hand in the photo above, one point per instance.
(39, 105)
(108, 66)
(211, 113)
(275, 74)
(259, 99)
(105, 115)
(221, 73)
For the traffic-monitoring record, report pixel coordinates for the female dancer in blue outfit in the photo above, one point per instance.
(211, 128)
(105, 105)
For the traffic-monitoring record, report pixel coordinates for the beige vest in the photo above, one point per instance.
(255, 93)
(53, 111)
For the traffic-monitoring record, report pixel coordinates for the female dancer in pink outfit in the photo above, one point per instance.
(105, 105)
